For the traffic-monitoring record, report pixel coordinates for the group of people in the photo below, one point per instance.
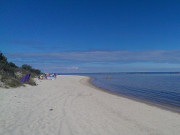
(46, 76)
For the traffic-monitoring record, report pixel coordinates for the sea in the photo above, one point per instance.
(161, 89)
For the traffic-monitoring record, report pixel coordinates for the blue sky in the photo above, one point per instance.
(92, 36)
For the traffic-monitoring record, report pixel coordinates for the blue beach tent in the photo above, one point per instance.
(25, 78)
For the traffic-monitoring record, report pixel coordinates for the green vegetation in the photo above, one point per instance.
(30, 69)
(10, 74)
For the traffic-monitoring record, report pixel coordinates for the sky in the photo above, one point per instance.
(86, 36)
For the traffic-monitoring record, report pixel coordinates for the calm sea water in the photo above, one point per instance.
(159, 89)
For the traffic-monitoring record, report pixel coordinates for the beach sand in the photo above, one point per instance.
(70, 105)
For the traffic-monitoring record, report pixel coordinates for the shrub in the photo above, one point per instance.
(26, 67)
(11, 74)
(30, 69)
(14, 83)
(5, 67)
(10, 81)
(12, 65)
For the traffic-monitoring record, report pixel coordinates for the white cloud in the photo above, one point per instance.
(73, 68)
(100, 56)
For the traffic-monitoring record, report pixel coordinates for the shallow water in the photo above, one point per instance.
(160, 89)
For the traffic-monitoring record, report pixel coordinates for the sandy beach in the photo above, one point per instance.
(70, 105)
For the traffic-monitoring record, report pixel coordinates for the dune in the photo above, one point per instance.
(70, 105)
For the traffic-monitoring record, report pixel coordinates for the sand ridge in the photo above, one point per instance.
(69, 105)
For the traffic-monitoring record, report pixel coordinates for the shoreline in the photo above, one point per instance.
(72, 105)
(161, 106)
